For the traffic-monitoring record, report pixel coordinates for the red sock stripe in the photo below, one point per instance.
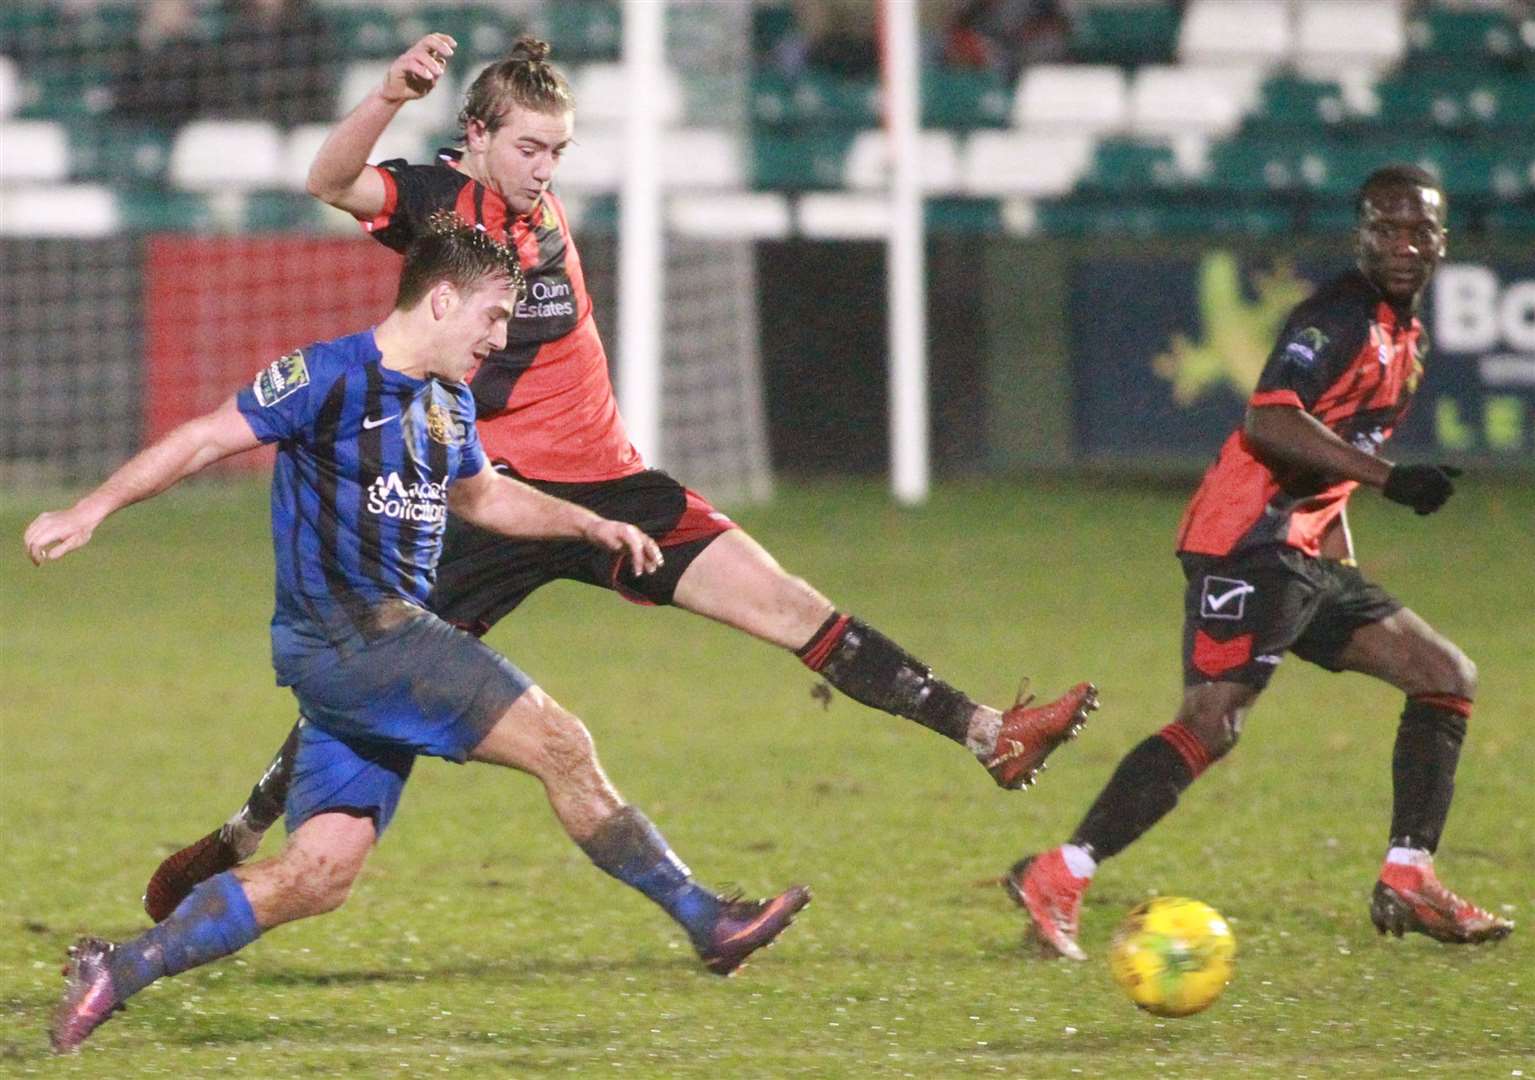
(1453, 702)
(815, 652)
(1189, 748)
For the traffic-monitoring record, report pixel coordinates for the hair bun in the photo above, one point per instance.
(529, 49)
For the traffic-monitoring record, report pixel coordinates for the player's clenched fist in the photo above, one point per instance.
(416, 70)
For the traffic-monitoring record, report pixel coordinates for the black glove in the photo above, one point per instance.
(1425, 488)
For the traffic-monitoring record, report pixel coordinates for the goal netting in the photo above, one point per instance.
(157, 246)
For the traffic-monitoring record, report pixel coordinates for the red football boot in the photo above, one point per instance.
(1028, 735)
(1051, 895)
(1410, 899)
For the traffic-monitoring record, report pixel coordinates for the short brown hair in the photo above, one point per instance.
(524, 78)
(450, 249)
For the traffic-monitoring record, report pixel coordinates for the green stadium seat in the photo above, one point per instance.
(281, 211)
(65, 91)
(120, 153)
(1457, 101)
(815, 99)
(1134, 33)
(583, 30)
(811, 160)
(964, 99)
(154, 210)
(1119, 217)
(1512, 218)
(1128, 165)
(771, 25)
(364, 33)
(1450, 37)
(1287, 102)
(981, 216)
(482, 33)
(1254, 166)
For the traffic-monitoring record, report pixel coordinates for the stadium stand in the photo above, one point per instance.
(1207, 113)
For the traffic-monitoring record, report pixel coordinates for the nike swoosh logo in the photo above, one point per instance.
(369, 424)
(1217, 602)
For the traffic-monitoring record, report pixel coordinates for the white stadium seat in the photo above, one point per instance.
(81, 210)
(1343, 35)
(10, 87)
(1236, 32)
(734, 215)
(33, 150)
(213, 155)
(594, 163)
(1087, 98)
(303, 142)
(868, 161)
(1181, 100)
(1020, 163)
(844, 215)
(603, 97)
(703, 158)
(438, 111)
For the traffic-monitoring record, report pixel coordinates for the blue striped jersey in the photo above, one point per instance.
(359, 492)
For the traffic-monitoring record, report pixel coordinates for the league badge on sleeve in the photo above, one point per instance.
(1304, 346)
(280, 378)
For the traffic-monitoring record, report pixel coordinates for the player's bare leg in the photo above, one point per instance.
(312, 875)
(1049, 887)
(1440, 683)
(539, 737)
(735, 581)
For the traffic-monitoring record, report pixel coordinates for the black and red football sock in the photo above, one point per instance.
(870, 668)
(1143, 789)
(1423, 764)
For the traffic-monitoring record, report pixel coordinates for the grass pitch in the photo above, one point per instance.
(138, 708)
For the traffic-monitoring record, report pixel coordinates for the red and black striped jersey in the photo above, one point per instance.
(1350, 359)
(545, 402)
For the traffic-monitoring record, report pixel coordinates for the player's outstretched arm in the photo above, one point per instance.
(506, 506)
(192, 446)
(339, 174)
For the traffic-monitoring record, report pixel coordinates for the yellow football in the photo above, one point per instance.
(1173, 956)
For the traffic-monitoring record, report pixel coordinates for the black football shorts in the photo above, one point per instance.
(1243, 612)
(482, 575)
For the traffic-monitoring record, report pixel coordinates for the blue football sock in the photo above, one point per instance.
(213, 921)
(627, 846)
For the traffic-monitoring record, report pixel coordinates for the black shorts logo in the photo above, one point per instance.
(1224, 598)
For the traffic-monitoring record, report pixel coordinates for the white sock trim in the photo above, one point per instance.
(1078, 861)
(1406, 856)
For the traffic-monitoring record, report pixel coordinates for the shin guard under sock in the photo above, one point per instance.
(870, 668)
(1423, 765)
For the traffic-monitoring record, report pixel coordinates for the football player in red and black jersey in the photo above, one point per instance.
(548, 417)
(1266, 549)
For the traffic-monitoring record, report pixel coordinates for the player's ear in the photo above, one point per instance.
(443, 297)
(475, 133)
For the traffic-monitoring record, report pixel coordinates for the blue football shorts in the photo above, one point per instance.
(415, 685)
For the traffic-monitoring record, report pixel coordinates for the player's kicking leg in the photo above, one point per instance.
(1440, 682)
(736, 582)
